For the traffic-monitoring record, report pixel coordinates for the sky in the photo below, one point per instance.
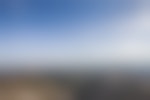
(74, 31)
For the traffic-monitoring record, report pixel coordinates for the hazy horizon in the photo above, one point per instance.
(73, 32)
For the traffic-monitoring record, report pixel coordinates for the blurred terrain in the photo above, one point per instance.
(64, 85)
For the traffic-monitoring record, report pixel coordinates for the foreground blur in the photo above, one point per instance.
(100, 86)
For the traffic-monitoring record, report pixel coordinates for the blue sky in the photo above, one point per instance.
(66, 31)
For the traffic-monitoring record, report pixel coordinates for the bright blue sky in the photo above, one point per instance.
(43, 12)
(70, 30)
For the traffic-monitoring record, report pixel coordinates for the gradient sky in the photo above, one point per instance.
(74, 31)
